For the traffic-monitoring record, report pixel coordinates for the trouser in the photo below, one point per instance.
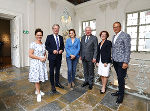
(71, 64)
(121, 74)
(88, 67)
(54, 65)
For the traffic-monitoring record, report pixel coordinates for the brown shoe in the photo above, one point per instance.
(73, 85)
(69, 85)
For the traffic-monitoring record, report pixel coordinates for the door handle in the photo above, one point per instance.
(15, 46)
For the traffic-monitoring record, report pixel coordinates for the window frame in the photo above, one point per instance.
(138, 26)
(82, 33)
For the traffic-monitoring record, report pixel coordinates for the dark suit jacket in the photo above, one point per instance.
(88, 50)
(51, 46)
(105, 52)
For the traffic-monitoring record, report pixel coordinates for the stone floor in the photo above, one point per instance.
(17, 94)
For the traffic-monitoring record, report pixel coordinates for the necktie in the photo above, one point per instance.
(57, 42)
(87, 38)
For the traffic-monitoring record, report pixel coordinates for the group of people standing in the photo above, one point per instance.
(88, 50)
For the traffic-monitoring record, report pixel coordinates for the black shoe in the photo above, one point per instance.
(59, 85)
(90, 87)
(54, 89)
(85, 84)
(119, 99)
(115, 94)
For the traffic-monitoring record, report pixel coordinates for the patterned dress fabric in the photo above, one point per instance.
(38, 69)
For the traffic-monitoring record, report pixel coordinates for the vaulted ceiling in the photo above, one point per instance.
(76, 2)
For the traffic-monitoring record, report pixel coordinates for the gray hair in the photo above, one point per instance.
(55, 25)
(87, 27)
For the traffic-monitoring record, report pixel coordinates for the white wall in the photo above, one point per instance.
(48, 12)
(106, 12)
(44, 13)
(19, 7)
(37, 14)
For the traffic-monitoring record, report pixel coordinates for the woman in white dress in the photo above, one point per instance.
(38, 70)
(104, 59)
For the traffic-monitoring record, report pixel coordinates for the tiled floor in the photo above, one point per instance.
(17, 94)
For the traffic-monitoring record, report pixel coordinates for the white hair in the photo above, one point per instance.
(55, 25)
(88, 27)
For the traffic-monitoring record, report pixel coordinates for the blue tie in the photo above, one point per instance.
(87, 39)
(57, 43)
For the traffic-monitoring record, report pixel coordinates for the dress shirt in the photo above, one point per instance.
(116, 36)
(56, 39)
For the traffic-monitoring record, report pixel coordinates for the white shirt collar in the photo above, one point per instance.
(55, 38)
(118, 33)
(116, 36)
(55, 35)
(87, 36)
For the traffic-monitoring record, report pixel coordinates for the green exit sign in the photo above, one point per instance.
(25, 32)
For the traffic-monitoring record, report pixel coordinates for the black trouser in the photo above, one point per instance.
(54, 64)
(88, 67)
(121, 74)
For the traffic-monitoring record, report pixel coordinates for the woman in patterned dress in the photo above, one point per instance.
(38, 70)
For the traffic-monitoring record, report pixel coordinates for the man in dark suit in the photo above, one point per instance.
(121, 56)
(88, 53)
(55, 47)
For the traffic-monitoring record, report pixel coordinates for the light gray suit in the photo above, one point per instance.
(88, 51)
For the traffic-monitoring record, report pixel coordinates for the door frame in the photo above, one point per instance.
(11, 15)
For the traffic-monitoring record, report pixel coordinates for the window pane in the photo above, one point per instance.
(93, 32)
(85, 24)
(133, 44)
(147, 44)
(132, 19)
(144, 31)
(141, 42)
(93, 24)
(145, 17)
(140, 48)
(144, 45)
(133, 48)
(133, 41)
(132, 31)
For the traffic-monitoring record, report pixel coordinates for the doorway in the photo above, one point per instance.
(15, 49)
(5, 43)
